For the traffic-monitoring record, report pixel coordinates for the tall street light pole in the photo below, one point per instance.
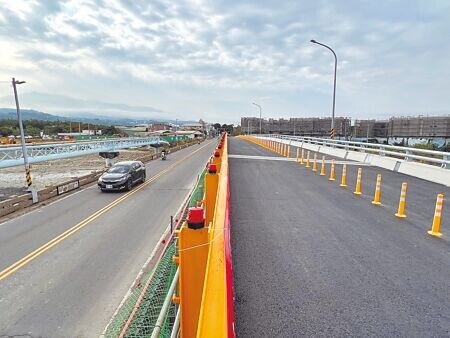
(22, 141)
(334, 84)
(260, 116)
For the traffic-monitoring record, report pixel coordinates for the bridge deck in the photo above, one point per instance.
(312, 259)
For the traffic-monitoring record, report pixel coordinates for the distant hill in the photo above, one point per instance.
(30, 114)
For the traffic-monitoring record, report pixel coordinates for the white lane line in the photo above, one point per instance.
(269, 158)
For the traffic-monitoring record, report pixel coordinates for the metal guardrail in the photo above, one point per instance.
(405, 153)
(12, 156)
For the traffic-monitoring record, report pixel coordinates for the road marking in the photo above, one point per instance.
(292, 159)
(39, 251)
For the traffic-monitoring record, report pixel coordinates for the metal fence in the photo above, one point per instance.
(441, 158)
(12, 156)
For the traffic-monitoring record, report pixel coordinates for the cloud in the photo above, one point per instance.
(176, 54)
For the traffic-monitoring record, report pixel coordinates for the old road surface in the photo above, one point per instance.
(312, 259)
(65, 267)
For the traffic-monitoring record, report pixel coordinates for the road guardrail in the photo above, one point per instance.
(441, 158)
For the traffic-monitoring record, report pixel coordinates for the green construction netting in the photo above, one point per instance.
(147, 313)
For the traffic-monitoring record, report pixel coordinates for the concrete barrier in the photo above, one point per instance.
(15, 203)
(424, 171)
(341, 153)
(389, 163)
(356, 156)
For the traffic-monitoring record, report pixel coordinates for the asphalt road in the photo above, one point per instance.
(73, 288)
(312, 259)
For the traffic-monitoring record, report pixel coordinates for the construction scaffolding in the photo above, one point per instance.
(309, 126)
(420, 127)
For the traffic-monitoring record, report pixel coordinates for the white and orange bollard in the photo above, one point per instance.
(332, 171)
(322, 168)
(402, 202)
(358, 182)
(302, 159)
(377, 197)
(344, 176)
(436, 226)
(297, 155)
(307, 160)
(315, 163)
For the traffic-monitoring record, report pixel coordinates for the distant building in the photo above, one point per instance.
(192, 126)
(159, 126)
(370, 129)
(309, 126)
(419, 127)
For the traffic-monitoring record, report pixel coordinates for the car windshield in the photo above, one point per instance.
(119, 169)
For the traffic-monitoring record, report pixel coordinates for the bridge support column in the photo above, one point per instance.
(108, 156)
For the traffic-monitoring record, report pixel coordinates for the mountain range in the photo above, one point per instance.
(64, 108)
(31, 114)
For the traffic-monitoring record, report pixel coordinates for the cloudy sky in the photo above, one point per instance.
(192, 59)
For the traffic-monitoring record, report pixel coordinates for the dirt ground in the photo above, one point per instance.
(12, 180)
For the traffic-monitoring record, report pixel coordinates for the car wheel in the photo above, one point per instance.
(143, 177)
(129, 184)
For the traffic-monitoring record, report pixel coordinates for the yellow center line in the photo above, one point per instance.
(39, 251)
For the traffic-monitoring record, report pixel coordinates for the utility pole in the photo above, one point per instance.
(260, 116)
(334, 84)
(29, 181)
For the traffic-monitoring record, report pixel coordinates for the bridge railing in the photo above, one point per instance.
(12, 156)
(441, 158)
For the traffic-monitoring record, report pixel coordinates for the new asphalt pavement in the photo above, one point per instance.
(312, 259)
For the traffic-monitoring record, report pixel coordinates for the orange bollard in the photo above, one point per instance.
(302, 159)
(307, 160)
(315, 163)
(344, 176)
(436, 226)
(358, 182)
(333, 163)
(322, 168)
(288, 151)
(402, 203)
(298, 153)
(377, 197)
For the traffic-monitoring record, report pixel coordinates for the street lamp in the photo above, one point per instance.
(22, 141)
(260, 114)
(334, 84)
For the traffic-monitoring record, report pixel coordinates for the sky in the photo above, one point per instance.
(192, 59)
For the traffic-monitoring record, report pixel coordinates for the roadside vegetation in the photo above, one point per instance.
(36, 127)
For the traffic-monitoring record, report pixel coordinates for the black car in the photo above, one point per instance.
(122, 176)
